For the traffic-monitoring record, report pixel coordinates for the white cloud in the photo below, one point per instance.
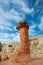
(3, 27)
(27, 10)
(12, 14)
(3, 20)
(8, 38)
(32, 31)
(4, 23)
(41, 24)
(23, 6)
(18, 2)
(4, 35)
(5, 2)
(2, 40)
(16, 37)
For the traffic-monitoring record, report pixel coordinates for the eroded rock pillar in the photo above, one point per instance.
(24, 47)
(23, 52)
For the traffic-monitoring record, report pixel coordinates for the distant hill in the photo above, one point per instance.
(36, 46)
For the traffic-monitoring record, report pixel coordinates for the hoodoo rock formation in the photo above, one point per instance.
(24, 46)
(23, 52)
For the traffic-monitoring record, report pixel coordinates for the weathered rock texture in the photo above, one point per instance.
(36, 46)
(23, 52)
(24, 45)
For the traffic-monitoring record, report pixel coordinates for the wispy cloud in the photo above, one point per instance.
(27, 10)
(41, 24)
(6, 37)
(23, 6)
(16, 37)
(12, 14)
(32, 31)
(12, 11)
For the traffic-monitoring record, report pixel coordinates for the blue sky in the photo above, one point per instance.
(12, 11)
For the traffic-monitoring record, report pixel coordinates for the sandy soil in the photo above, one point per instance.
(9, 59)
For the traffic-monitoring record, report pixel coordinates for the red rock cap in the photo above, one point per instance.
(22, 24)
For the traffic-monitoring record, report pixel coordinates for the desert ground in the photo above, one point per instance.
(8, 59)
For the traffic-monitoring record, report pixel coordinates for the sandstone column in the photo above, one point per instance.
(24, 46)
(22, 56)
(23, 52)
